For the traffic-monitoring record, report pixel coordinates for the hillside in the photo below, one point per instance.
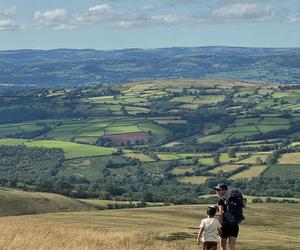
(16, 202)
(267, 227)
(66, 68)
(157, 141)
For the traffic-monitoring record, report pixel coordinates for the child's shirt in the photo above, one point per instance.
(210, 226)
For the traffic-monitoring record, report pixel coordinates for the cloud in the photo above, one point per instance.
(293, 18)
(151, 21)
(6, 19)
(243, 11)
(54, 19)
(146, 8)
(8, 11)
(7, 24)
(50, 18)
(169, 19)
(100, 9)
(98, 13)
(103, 14)
(174, 2)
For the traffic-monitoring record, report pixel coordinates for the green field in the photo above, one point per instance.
(214, 138)
(90, 168)
(177, 156)
(71, 149)
(207, 161)
(224, 157)
(168, 157)
(283, 171)
(182, 170)
(183, 99)
(13, 129)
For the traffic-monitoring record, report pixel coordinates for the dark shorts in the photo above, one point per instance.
(230, 231)
(210, 245)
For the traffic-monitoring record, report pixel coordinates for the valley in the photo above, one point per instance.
(158, 141)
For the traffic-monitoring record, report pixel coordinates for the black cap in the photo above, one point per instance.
(221, 186)
(211, 210)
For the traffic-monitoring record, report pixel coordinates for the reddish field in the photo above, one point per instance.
(118, 139)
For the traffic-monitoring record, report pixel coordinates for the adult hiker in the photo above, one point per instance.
(230, 206)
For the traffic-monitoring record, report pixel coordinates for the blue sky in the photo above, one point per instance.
(117, 24)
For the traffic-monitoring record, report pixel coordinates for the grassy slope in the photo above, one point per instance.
(267, 226)
(15, 202)
(71, 149)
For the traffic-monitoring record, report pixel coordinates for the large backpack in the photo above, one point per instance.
(234, 203)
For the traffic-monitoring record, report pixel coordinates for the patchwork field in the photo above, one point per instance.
(154, 140)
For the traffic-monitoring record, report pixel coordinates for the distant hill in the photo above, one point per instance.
(68, 67)
(16, 202)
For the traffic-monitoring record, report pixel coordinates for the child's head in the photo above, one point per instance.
(211, 211)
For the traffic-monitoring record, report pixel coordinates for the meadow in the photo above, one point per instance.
(253, 171)
(71, 149)
(267, 226)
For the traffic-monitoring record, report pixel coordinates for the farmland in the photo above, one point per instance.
(71, 150)
(160, 141)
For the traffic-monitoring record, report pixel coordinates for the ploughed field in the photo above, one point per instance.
(267, 226)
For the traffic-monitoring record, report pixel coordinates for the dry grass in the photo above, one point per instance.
(17, 202)
(290, 158)
(253, 171)
(267, 227)
(31, 235)
(140, 156)
(194, 179)
(225, 168)
(293, 144)
(252, 159)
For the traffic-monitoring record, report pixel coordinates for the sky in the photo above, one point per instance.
(119, 24)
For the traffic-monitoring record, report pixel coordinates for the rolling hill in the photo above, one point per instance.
(17, 202)
(68, 68)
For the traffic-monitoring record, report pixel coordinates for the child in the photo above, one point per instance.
(209, 229)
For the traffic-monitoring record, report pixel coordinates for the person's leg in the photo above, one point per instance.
(232, 243)
(233, 234)
(211, 245)
(223, 243)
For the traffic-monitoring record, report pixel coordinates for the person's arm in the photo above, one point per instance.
(219, 230)
(199, 235)
(221, 212)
